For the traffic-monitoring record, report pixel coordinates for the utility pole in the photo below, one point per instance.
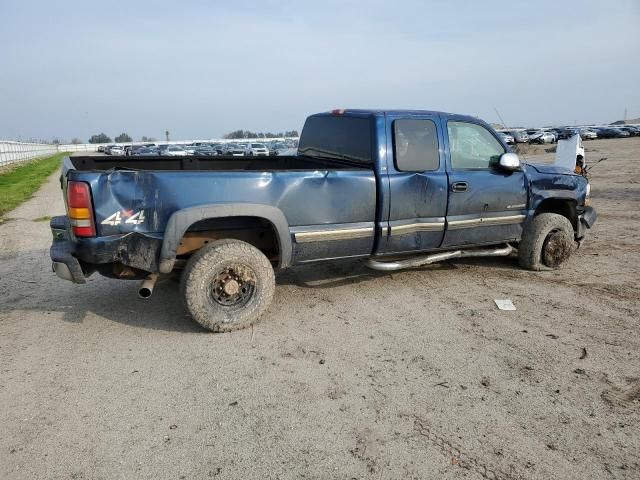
(166, 134)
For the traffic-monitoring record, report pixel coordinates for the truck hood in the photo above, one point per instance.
(550, 168)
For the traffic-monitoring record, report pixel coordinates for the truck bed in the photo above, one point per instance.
(218, 163)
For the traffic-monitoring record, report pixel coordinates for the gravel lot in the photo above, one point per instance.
(351, 374)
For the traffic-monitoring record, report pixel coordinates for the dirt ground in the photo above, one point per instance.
(351, 374)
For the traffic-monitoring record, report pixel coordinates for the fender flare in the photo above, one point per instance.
(181, 220)
(556, 195)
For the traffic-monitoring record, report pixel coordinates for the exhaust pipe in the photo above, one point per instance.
(146, 287)
(436, 257)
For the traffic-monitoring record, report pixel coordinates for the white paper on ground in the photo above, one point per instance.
(505, 304)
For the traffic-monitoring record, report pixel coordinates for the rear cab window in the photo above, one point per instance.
(339, 137)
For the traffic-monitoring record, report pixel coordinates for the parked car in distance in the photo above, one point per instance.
(107, 148)
(277, 148)
(117, 150)
(205, 150)
(632, 131)
(519, 136)
(506, 138)
(190, 149)
(587, 133)
(608, 132)
(255, 149)
(289, 152)
(234, 150)
(100, 149)
(540, 136)
(145, 152)
(563, 133)
(174, 151)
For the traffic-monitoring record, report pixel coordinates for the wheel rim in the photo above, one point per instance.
(233, 286)
(555, 249)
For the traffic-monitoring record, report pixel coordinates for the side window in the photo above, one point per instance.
(415, 144)
(472, 146)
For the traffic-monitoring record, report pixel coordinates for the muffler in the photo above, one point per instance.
(436, 257)
(146, 287)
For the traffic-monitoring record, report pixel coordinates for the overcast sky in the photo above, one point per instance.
(203, 68)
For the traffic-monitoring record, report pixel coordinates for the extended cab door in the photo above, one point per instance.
(486, 204)
(417, 184)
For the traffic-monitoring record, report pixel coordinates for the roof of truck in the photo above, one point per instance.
(382, 112)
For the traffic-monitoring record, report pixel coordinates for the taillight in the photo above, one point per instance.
(80, 210)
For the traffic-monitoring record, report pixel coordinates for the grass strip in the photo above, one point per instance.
(19, 183)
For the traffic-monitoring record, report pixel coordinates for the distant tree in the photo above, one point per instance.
(76, 141)
(123, 138)
(166, 134)
(238, 134)
(234, 135)
(100, 138)
(56, 141)
(144, 138)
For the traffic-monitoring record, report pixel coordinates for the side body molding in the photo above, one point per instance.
(181, 220)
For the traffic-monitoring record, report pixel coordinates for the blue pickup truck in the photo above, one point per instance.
(397, 189)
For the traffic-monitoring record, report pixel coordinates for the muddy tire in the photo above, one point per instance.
(547, 242)
(227, 285)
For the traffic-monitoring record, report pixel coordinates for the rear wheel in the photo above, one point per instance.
(227, 285)
(547, 242)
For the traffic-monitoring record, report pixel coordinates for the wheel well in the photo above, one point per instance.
(566, 208)
(256, 231)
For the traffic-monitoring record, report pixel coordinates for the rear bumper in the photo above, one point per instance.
(65, 265)
(131, 255)
(585, 221)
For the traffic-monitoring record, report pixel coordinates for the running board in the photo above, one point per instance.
(437, 257)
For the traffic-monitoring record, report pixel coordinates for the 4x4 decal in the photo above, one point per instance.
(126, 216)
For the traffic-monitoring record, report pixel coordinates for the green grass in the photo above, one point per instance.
(19, 183)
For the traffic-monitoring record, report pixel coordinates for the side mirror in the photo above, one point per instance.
(509, 161)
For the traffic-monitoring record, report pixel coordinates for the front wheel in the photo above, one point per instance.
(227, 285)
(547, 242)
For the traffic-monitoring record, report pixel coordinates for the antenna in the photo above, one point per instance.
(500, 117)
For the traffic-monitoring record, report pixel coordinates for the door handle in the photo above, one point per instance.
(459, 186)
